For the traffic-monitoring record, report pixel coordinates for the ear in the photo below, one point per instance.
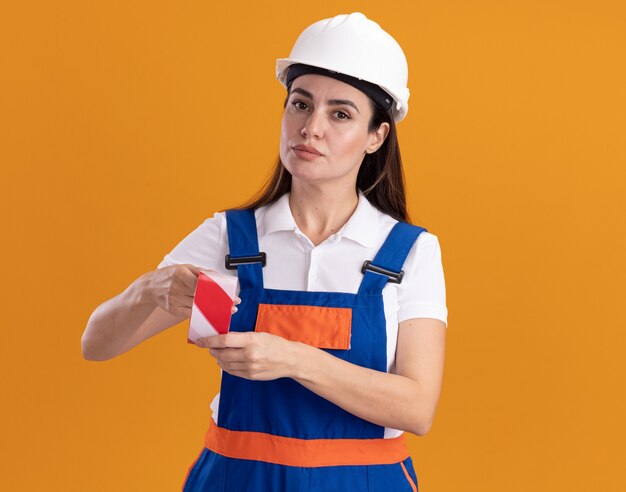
(377, 138)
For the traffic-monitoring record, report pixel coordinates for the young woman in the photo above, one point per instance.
(337, 346)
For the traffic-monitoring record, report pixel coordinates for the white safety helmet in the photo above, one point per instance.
(356, 46)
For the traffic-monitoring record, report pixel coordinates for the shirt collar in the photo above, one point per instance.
(277, 217)
(361, 227)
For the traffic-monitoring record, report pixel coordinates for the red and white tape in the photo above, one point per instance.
(212, 306)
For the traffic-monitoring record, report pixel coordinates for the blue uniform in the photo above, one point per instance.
(279, 436)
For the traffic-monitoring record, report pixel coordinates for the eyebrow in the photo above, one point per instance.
(306, 93)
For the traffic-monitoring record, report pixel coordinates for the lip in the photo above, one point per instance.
(306, 148)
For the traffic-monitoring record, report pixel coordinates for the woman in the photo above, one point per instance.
(337, 346)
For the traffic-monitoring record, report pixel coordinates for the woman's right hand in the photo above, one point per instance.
(172, 288)
(154, 302)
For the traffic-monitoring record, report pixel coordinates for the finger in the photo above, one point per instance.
(213, 344)
(239, 369)
(229, 356)
(229, 340)
(185, 303)
(189, 279)
(203, 342)
(236, 300)
(196, 270)
(182, 311)
(200, 343)
(179, 311)
(235, 366)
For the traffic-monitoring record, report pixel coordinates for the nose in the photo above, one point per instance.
(313, 126)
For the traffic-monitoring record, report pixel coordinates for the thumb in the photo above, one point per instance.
(195, 270)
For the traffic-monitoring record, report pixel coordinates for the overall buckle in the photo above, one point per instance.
(233, 263)
(394, 277)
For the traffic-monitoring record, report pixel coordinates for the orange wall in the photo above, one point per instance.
(125, 124)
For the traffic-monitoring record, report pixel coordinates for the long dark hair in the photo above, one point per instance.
(380, 178)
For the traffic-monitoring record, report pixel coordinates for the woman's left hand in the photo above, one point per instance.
(252, 355)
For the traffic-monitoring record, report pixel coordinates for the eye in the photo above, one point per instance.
(297, 104)
(341, 115)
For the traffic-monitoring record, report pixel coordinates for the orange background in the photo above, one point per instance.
(126, 124)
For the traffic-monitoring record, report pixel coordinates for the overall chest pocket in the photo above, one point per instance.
(321, 327)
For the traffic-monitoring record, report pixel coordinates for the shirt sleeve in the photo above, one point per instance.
(204, 247)
(422, 293)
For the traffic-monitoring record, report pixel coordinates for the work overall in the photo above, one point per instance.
(279, 436)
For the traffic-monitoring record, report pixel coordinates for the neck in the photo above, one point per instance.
(319, 213)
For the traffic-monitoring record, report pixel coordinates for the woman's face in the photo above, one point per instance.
(324, 134)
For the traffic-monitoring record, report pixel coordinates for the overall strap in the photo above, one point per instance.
(244, 253)
(387, 264)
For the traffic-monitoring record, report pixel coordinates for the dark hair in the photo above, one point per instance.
(380, 177)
